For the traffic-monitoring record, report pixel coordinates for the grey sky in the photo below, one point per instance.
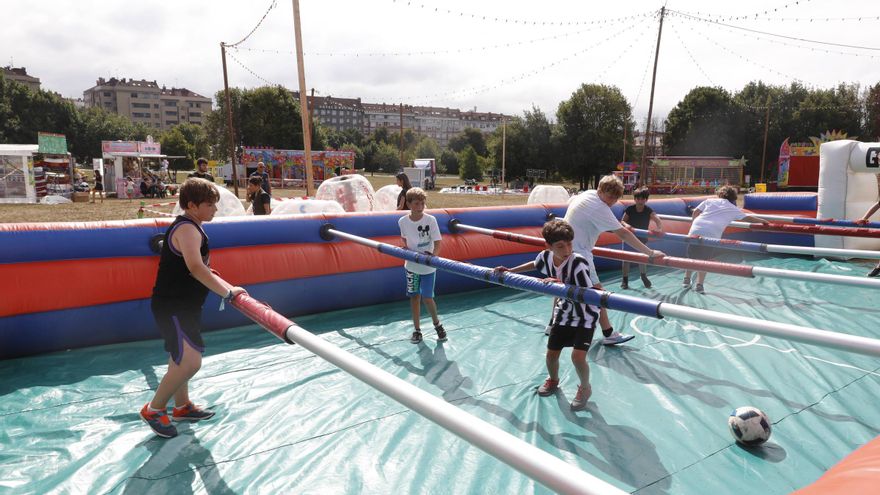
(68, 45)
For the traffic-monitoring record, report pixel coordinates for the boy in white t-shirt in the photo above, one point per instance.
(421, 234)
(710, 218)
(590, 214)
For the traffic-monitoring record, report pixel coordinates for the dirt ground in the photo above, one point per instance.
(124, 209)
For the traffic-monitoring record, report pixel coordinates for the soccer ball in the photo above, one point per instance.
(749, 426)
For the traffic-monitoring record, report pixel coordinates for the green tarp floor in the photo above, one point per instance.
(288, 422)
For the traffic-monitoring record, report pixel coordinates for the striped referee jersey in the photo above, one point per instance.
(573, 271)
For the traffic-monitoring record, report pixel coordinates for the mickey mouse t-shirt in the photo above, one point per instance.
(420, 237)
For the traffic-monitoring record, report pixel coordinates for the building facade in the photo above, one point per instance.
(20, 75)
(144, 102)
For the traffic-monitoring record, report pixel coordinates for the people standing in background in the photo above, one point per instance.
(202, 172)
(403, 182)
(98, 190)
(639, 216)
(260, 200)
(262, 174)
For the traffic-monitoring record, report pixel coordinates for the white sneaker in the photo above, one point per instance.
(617, 338)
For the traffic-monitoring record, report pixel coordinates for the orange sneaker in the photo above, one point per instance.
(158, 421)
(190, 412)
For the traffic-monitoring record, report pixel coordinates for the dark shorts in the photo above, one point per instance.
(700, 252)
(565, 336)
(99, 187)
(418, 284)
(177, 325)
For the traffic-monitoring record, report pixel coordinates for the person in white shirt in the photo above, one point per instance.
(710, 218)
(590, 214)
(421, 234)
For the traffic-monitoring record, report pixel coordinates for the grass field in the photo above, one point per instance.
(123, 209)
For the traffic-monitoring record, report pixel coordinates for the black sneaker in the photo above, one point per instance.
(416, 337)
(441, 333)
(624, 284)
(699, 289)
(875, 271)
(645, 281)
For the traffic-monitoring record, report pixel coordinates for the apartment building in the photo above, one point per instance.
(337, 113)
(145, 102)
(20, 75)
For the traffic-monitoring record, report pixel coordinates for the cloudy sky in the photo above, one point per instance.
(499, 56)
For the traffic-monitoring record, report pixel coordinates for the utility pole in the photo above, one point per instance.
(303, 102)
(644, 165)
(231, 132)
(624, 142)
(766, 131)
(503, 149)
(400, 137)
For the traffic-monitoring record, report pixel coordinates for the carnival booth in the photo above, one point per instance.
(125, 159)
(693, 174)
(29, 172)
(17, 183)
(286, 168)
(628, 173)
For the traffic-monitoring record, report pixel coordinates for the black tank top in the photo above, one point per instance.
(174, 283)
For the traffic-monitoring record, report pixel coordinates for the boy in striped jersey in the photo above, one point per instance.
(573, 324)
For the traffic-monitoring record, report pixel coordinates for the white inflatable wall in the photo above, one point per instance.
(847, 188)
(548, 195)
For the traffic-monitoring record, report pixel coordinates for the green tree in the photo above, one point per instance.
(706, 122)
(830, 109)
(872, 113)
(589, 131)
(386, 158)
(358, 154)
(175, 143)
(469, 164)
(369, 150)
(469, 137)
(427, 148)
(449, 162)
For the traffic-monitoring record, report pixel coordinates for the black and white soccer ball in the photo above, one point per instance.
(749, 426)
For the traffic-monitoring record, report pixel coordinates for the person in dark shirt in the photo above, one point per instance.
(260, 199)
(639, 216)
(202, 172)
(262, 174)
(182, 283)
(403, 182)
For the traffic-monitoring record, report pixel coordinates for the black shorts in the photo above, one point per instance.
(178, 324)
(700, 252)
(99, 187)
(565, 336)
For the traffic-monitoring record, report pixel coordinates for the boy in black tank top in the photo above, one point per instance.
(183, 281)
(639, 216)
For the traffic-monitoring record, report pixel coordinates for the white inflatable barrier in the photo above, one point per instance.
(299, 206)
(548, 195)
(353, 192)
(848, 186)
(229, 206)
(386, 197)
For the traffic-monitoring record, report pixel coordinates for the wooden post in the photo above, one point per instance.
(644, 165)
(303, 102)
(231, 132)
(766, 131)
(400, 137)
(503, 149)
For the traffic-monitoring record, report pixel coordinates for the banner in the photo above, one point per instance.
(784, 160)
(51, 144)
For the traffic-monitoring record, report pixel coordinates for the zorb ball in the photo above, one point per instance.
(228, 206)
(749, 426)
(305, 206)
(386, 197)
(353, 192)
(548, 195)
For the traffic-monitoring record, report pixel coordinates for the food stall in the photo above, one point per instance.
(128, 159)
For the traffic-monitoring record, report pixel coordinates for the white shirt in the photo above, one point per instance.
(420, 237)
(589, 216)
(717, 213)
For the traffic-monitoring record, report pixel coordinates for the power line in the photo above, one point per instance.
(509, 20)
(710, 21)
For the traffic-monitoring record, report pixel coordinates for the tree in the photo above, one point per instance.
(469, 137)
(706, 122)
(197, 138)
(449, 162)
(427, 148)
(589, 131)
(386, 158)
(469, 164)
(174, 143)
(872, 113)
(358, 154)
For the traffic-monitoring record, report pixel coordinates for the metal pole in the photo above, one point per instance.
(303, 102)
(766, 131)
(231, 132)
(400, 138)
(644, 164)
(535, 463)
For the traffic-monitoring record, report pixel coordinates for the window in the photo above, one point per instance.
(198, 105)
(170, 103)
(155, 105)
(195, 114)
(134, 95)
(107, 93)
(170, 112)
(140, 105)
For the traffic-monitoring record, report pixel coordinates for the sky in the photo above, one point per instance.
(495, 56)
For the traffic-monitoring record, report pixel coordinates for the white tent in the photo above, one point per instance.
(17, 173)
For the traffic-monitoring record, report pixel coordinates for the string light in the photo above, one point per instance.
(509, 20)
(710, 21)
(259, 23)
(261, 78)
(756, 14)
(691, 55)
